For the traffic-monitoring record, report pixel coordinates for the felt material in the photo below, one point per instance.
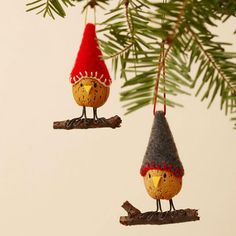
(161, 152)
(89, 62)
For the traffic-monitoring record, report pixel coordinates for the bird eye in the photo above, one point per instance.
(95, 85)
(149, 175)
(164, 175)
(81, 85)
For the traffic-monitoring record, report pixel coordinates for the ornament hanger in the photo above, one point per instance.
(162, 68)
(86, 13)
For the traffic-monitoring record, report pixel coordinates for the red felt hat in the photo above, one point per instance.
(89, 62)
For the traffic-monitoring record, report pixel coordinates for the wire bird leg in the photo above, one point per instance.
(95, 116)
(76, 121)
(158, 203)
(171, 205)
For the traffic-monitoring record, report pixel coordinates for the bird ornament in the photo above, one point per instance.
(89, 77)
(162, 169)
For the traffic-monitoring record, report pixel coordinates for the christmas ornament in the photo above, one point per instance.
(90, 78)
(162, 169)
(162, 172)
(91, 82)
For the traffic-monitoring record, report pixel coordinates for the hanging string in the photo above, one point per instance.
(164, 79)
(86, 14)
(160, 64)
(162, 67)
(164, 70)
(94, 12)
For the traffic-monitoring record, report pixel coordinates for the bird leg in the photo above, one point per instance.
(158, 203)
(95, 116)
(84, 113)
(171, 205)
(76, 121)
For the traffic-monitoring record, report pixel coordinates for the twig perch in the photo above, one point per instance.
(113, 122)
(135, 217)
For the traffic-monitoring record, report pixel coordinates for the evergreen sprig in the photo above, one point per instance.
(52, 7)
(143, 35)
(184, 28)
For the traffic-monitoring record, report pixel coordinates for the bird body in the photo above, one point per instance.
(89, 92)
(162, 184)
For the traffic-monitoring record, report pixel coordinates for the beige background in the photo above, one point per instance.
(55, 182)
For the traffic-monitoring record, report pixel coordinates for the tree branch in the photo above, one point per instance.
(130, 28)
(123, 50)
(212, 61)
(135, 217)
(113, 122)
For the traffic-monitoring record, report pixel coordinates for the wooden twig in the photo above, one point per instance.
(113, 122)
(131, 210)
(135, 217)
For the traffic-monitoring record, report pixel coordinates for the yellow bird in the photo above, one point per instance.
(161, 184)
(89, 92)
(162, 169)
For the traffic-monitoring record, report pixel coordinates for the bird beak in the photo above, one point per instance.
(156, 180)
(87, 88)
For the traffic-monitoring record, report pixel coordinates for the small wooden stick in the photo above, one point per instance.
(135, 217)
(131, 210)
(113, 122)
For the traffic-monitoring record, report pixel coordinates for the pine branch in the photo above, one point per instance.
(121, 52)
(94, 3)
(213, 62)
(47, 7)
(51, 7)
(135, 32)
(130, 29)
(216, 66)
(145, 66)
(181, 48)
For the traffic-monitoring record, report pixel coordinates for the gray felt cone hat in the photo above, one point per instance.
(161, 151)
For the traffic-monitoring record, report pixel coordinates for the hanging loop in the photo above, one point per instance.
(161, 68)
(91, 4)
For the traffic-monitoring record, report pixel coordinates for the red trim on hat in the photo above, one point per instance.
(89, 62)
(178, 172)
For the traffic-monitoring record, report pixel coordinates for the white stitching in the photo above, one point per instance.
(76, 78)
